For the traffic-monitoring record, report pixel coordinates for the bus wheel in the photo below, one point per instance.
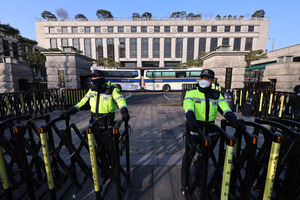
(166, 88)
(119, 87)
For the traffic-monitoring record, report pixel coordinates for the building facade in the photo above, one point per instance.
(282, 67)
(158, 42)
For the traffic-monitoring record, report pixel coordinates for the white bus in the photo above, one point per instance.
(125, 79)
(171, 79)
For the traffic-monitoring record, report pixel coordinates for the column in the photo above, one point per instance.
(58, 43)
(93, 47)
(184, 50)
(254, 43)
(243, 44)
(81, 40)
(219, 41)
(161, 52)
(150, 47)
(127, 47)
(139, 52)
(207, 49)
(104, 41)
(196, 48)
(173, 48)
(116, 49)
(231, 40)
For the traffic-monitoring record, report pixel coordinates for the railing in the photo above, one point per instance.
(30, 102)
(154, 19)
(269, 86)
(256, 102)
(33, 160)
(25, 85)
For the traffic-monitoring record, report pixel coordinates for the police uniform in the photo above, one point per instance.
(201, 105)
(216, 86)
(104, 99)
(295, 101)
(104, 103)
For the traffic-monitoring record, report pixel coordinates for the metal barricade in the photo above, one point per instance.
(110, 146)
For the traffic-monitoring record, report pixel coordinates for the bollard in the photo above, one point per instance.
(8, 106)
(281, 105)
(22, 103)
(45, 101)
(94, 162)
(272, 166)
(270, 104)
(227, 171)
(44, 143)
(4, 177)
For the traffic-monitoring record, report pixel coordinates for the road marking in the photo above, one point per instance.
(166, 97)
(127, 97)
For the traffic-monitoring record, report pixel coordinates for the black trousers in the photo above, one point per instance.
(192, 152)
(100, 128)
(185, 156)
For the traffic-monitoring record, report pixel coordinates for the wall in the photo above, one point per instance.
(287, 75)
(73, 64)
(10, 74)
(218, 61)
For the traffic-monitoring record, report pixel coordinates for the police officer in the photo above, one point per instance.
(201, 105)
(104, 98)
(295, 101)
(215, 85)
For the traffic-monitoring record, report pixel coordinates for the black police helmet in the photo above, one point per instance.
(95, 73)
(208, 73)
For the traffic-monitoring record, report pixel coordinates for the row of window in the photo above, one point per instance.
(155, 46)
(13, 47)
(182, 74)
(133, 29)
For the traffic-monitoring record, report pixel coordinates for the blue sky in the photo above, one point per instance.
(283, 15)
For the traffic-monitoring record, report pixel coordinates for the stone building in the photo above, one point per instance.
(11, 70)
(282, 66)
(229, 66)
(158, 42)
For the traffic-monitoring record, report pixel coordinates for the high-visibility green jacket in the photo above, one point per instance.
(109, 100)
(216, 86)
(205, 105)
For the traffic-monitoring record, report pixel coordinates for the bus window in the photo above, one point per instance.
(188, 74)
(127, 74)
(195, 74)
(168, 74)
(149, 74)
(114, 74)
(135, 74)
(180, 74)
(156, 74)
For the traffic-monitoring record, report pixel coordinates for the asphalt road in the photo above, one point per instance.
(153, 98)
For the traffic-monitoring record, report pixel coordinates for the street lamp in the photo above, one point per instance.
(272, 42)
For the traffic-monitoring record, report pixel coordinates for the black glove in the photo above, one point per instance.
(192, 122)
(124, 113)
(71, 111)
(234, 121)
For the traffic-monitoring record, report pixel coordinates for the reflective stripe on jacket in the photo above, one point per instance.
(216, 86)
(108, 102)
(196, 101)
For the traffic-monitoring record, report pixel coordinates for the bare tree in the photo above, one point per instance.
(62, 13)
